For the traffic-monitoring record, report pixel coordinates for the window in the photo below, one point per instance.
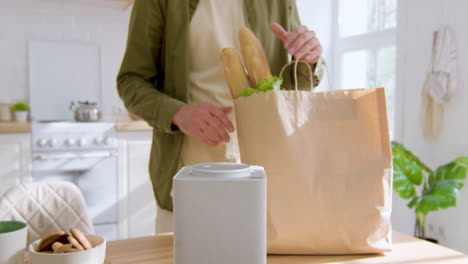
(358, 37)
(364, 46)
(365, 16)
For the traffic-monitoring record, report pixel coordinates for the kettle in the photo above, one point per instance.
(86, 111)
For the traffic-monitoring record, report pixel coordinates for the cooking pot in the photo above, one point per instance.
(86, 111)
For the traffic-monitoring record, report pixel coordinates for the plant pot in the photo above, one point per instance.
(428, 239)
(435, 241)
(20, 116)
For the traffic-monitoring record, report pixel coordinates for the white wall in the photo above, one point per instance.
(417, 20)
(102, 22)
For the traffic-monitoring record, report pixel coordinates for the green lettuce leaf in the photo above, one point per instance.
(268, 84)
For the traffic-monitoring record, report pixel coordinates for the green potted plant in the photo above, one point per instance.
(426, 190)
(20, 111)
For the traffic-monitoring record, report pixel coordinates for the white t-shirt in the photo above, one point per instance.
(214, 26)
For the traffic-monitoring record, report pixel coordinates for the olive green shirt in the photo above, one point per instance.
(153, 77)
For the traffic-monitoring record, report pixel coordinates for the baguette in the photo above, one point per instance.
(254, 57)
(235, 73)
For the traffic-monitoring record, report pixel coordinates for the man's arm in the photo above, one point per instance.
(136, 81)
(303, 72)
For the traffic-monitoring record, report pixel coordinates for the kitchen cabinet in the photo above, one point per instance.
(137, 205)
(15, 160)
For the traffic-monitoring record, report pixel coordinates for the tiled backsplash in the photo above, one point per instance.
(102, 22)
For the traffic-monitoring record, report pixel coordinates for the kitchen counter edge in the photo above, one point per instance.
(122, 125)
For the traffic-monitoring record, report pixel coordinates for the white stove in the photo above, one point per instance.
(73, 136)
(84, 153)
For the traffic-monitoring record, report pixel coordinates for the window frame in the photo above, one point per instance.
(371, 41)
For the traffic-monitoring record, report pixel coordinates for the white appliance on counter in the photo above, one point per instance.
(220, 214)
(85, 154)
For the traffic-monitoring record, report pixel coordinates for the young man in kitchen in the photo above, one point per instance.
(172, 77)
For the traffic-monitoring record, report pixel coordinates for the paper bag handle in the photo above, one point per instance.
(296, 62)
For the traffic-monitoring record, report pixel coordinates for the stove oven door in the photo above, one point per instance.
(95, 173)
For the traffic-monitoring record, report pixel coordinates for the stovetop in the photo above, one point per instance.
(53, 136)
(54, 121)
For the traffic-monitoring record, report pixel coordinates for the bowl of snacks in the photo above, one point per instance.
(74, 247)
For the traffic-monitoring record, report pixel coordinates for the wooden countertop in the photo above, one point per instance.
(124, 125)
(130, 125)
(14, 127)
(406, 250)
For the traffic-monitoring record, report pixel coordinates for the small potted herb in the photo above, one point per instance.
(20, 111)
(427, 190)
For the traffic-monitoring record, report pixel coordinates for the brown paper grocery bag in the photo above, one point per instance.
(329, 166)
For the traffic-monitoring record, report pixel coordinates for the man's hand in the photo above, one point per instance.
(300, 41)
(206, 122)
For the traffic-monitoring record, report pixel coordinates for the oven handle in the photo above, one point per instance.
(70, 156)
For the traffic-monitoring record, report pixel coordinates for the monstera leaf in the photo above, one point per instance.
(439, 190)
(455, 170)
(444, 187)
(408, 171)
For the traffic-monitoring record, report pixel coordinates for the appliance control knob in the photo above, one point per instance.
(98, 141)
(108, 141)
(81, 142)
(52, 143)
(41, 142)
(69, 142)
